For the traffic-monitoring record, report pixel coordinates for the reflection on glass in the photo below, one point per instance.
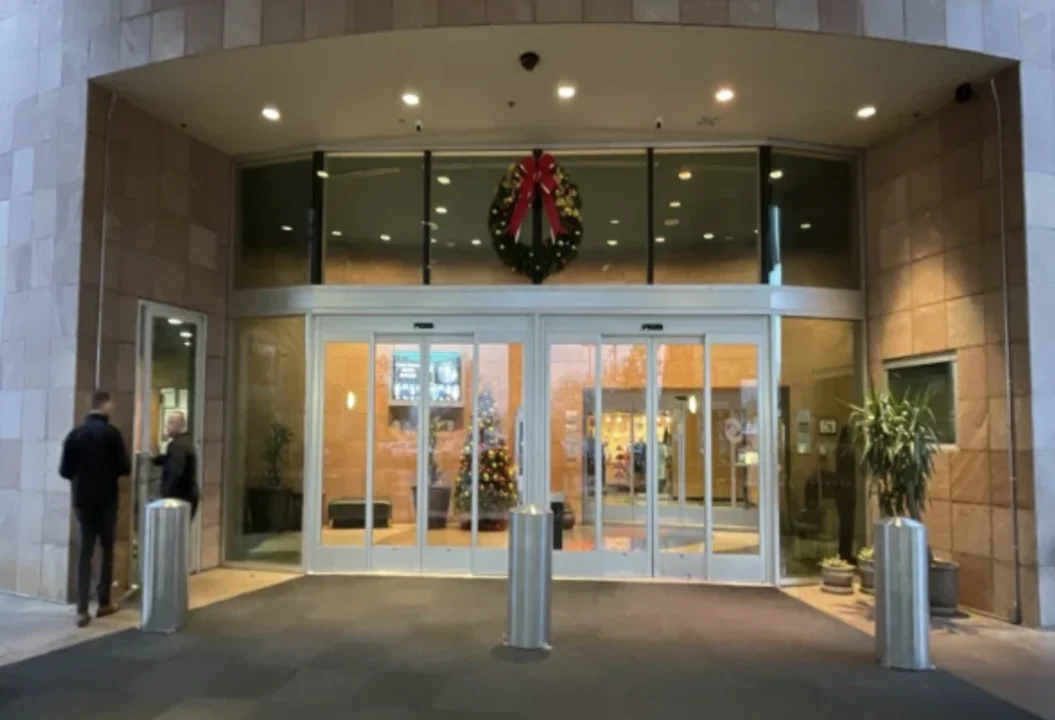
(573, 464)
(822, 498)
(372, 225)
(346, 373)
(275, 202)
(706, 217)
(396, 425)
(265, 484)
(624, 442)
(735, 438)
(679, 442)
(814, 200)
(462, 190)
(614, 189)
(450, 415)
(497, 438)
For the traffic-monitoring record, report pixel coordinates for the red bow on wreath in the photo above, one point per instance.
(541, 173)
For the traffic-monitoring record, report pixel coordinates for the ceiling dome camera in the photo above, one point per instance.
(529, 60)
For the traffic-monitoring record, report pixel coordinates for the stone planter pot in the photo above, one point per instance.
(944, 587)
(866, 572)
(439, 505)
(838, 581)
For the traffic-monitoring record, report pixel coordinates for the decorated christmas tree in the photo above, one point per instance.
(498, 485)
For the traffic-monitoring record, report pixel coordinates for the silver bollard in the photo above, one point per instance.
(901, 592)
(530, 576)
(165, 555)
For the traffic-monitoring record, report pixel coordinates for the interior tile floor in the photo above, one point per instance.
(406, 648)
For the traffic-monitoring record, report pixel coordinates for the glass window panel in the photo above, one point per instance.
(821, 494)
(624, 436)
(274, 248)
(450, 407)
(816, 202)
(396, 427)
(346, 412)
(373, 210)
(265, 488)
(463, 187)
(614, 190)
(933, 380)
(572, 427)
(706, 217)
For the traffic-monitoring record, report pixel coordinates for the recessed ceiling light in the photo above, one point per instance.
(612, 243)
(450, 244)
(433, 226)
(724, 95)
(685, 175)
(441, 210)
(661, 239)
(336, 233)
(323, 174)
(443, 180)
(565, 92)
(728, 237)
(433, 240)
(175, 321)
(186, 343)
(186, 334)
(708, 236)
(270, 112)
(614, 221)
(863, 113)
(675, 204)
(806, 226)
(386, 238)
(411, 99)
(287, 228)
(671, 222)
(776, 174)
(475, 241)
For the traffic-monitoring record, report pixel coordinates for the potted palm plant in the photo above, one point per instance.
(269, 501)
(895, 441)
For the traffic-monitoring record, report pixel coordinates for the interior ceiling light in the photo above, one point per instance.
(685, 175)
(186, 343)
(175, 321)
(708, 236)
(433, 240)
(671, 222)
(806, 226)
(441, 210)
(724, 95)
(287, 228)
(186, 334)
(271, 113)
(443, 180)
(566, 92)
(411, 99)
(612, 243)
(661, 239)
(475, 241)
(336, 233)
(614, 221)
(776, 174)
(863, 113)
(386, 238)
(323, 174)
(675, 204)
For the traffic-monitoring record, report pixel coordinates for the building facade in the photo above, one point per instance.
(376, 366)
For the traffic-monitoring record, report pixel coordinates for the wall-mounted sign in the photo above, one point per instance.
(445, 377)
(828, 427)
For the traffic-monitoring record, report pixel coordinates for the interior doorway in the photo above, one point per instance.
(170, 375)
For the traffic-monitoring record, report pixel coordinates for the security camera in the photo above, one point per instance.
(419, 125)
(529, 60)
(964, 92)
(659, 122)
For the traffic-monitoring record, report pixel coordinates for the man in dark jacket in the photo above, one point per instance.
(179, 464)
(94, 456)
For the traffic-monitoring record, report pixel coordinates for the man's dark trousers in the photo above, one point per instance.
(96, 524)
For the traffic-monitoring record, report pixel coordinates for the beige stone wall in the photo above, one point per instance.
(934, 270)
(167, 201)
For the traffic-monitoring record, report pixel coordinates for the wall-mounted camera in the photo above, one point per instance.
(659, 122)
(964, 92)
(529, 60)
(419, 125)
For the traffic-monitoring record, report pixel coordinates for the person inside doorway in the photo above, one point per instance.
(179, 465)
(94, 456)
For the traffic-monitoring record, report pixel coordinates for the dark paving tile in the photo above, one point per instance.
(201, 708)
(248, 681)
(81, 705)
(322, 686)
(405, 690)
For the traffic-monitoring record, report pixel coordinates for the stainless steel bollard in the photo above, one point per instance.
(530, 576)
(902, 597)
(165, 555)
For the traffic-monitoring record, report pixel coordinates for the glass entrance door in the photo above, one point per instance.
(419, 445)
(656, 454)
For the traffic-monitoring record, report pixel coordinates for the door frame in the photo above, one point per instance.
(424, 331)
(146, 312)
(651, 331)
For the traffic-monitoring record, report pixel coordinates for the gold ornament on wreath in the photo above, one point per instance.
(562, 211)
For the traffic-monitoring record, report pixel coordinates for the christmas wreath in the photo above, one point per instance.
(514, 199)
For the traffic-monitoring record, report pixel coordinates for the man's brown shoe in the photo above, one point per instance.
(83, 619)
(105, 610)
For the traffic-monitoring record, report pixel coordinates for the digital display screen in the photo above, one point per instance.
(444, 378)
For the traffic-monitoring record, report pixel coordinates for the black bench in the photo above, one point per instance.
(347, 514)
